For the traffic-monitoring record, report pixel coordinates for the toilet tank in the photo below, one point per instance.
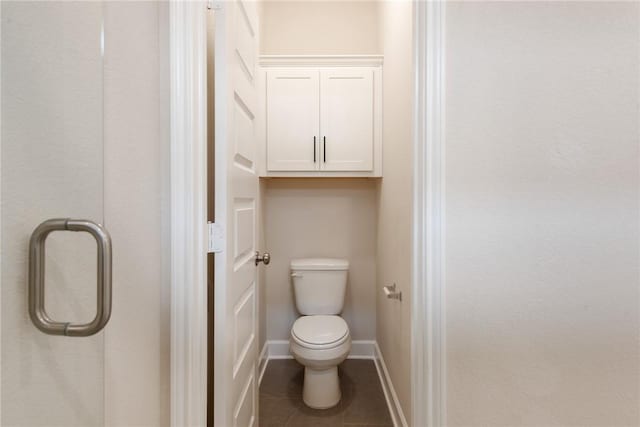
(319, 285)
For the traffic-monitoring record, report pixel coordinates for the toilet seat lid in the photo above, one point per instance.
(320, 329)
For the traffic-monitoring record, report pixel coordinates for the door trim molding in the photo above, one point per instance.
(187, 49)
(187, 45)
(429, 343)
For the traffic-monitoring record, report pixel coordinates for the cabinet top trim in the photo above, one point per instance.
(321, 60)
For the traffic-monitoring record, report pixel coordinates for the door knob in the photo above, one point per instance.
(266, 258)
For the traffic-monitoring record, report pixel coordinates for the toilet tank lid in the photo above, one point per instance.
(319, 264)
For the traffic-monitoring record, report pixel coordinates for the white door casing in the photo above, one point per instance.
(428, 347)
(236, 201)
(187, 36)
(346, 119)
(293, 119)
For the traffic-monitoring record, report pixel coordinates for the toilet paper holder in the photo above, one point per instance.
(391, 292)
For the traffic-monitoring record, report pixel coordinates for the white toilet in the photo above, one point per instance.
(320, 339)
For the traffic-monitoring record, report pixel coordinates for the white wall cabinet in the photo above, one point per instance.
(346, 119)
(322, 117)
(292, 119)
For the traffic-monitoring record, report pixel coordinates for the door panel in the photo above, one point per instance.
(293, 112)
(236, 197)
(52, 167)
(243, 127)
(347, 119)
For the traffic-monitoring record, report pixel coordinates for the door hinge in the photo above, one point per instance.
(216, 238)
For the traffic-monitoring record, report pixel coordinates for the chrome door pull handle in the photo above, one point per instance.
(37, 311)
(265, 258)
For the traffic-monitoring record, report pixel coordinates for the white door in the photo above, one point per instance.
(236, 203)
(52, 167)
(346, 120)
(293, 112)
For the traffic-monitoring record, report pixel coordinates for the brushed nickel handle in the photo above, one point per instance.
(37, 311)
(265, 258)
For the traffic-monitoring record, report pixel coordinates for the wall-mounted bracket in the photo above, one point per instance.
(392, 293)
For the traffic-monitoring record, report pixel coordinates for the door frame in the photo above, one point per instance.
(428, 350)
(188, 145)
(188, 154)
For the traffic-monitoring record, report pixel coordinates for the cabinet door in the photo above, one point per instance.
(346, 119)
(293, 114)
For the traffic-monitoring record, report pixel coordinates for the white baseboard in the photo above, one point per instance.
(360, 349)
(278, 349)
(393, 403)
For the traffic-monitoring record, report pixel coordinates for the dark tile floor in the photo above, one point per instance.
(362, 404)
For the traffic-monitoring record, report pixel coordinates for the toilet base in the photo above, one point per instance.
(321, 388)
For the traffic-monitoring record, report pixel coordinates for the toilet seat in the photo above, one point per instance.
(320, 331)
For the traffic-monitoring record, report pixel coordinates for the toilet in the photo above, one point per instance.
(320, 338)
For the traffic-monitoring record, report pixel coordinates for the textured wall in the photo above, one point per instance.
(302, 27)
(542, 214)
(395, 195)
(321, 218)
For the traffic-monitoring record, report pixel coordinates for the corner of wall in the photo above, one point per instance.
(394, 199)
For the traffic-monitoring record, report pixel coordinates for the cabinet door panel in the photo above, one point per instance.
(293, 114)
(347, 119)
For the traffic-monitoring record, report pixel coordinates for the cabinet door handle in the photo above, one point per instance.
(314, 149)
(324, 149)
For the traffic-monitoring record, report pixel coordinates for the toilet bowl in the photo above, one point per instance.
(320, 343)
(320, 339)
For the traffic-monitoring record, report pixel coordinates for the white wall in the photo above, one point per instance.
(321, 218)
(318, 27)
(136, 213)
(542, 215)
(302, 27)
(395, 197)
